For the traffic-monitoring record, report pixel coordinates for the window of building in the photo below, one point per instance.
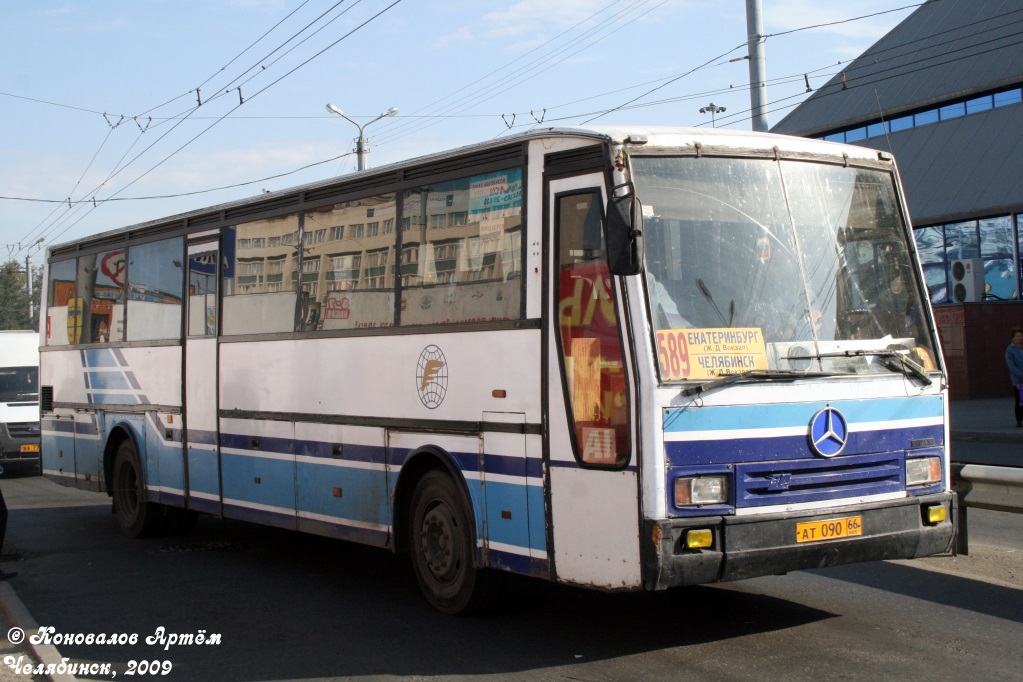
(855, 134)
(979, 104)
(900, 123)
(989, 239)
(337, 233)
(952, 111)
(1014, 96)
(877, 129)
(925, 117)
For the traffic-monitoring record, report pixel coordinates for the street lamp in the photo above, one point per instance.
(361, 144)
(28, 272)
(712, 109)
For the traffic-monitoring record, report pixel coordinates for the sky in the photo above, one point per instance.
(118, 112)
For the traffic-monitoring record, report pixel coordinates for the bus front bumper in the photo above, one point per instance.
(751, 546)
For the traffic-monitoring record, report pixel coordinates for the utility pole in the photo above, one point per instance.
(757, 64)
(28, 274)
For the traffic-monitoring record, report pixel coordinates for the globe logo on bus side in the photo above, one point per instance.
(432, 376)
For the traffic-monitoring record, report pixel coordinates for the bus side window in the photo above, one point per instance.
(61, 310)
(593, 365)
(155, 282)
(202, 294)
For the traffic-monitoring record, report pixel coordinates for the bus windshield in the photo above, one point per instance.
(758, 264)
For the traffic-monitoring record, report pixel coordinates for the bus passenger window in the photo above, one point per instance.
(100, 303)
(62, 323)
(351, 283)
(156, 277)
(202, 294)
(593, 366)
(461, 258)
(260, 275)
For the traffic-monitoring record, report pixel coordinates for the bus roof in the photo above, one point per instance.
(655, 137)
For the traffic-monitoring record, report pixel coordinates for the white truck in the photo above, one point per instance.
(19, 399)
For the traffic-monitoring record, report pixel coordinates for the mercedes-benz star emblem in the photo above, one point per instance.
(829, 432)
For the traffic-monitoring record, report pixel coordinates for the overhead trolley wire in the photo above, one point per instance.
(212, 125)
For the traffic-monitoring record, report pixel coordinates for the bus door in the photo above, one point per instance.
(592, 481)
(201, 438)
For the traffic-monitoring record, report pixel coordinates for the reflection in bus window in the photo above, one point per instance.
(260, 258)
(155, 283)
(348, 280)
(62, 310)
(202, 294)
(462, 250)
(593, 366)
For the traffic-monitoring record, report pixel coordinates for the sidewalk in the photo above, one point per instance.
(984, 421)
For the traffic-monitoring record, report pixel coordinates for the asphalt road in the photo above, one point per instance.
(289, 606)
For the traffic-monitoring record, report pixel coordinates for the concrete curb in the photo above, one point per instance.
(987, 437)
(19, 616)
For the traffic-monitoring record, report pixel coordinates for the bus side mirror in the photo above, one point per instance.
(624, 232)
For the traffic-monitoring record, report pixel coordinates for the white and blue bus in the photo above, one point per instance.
(623, 359)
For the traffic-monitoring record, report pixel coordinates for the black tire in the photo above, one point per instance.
(441, 544)
(136, 517)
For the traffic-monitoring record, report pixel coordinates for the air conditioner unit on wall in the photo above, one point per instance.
(967, 285)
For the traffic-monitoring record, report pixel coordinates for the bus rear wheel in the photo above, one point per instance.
(442, 547)
(136, 517)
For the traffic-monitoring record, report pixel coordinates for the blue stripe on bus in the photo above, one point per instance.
(744, 417)
(284, 446)
(732, 450)
(365, 494)
(101, 357)
(107, 381)
(344, 493)
(516, 563)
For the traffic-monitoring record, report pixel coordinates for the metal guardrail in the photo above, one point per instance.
(984, 486)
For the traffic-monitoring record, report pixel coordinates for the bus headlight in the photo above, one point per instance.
(693, 490)
(923, 470)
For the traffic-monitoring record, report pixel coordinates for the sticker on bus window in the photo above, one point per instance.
(709, 353)
(598, 446)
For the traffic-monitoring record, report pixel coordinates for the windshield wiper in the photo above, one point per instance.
(903, 366)
(757, 375)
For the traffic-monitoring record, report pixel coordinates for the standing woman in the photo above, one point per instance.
(1014, 359)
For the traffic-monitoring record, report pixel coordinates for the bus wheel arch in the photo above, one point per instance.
(136, 516)
(435, 523)
(118, 434)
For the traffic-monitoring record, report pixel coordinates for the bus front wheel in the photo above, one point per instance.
(136, 517)
(442, 549)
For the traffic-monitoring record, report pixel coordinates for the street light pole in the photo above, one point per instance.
(360, 148)
(28, 274)
(712, 109)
